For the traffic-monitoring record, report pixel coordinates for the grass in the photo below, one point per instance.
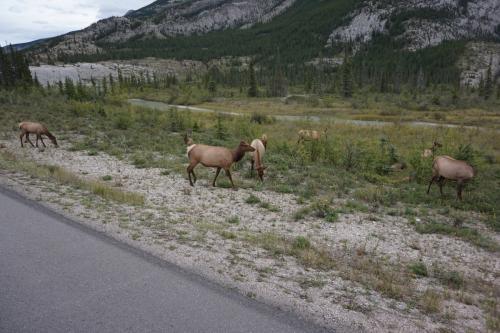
(468, 234)
(431, 302)
(419, 269)
(252, 200)
(300, 248)
(64, 177)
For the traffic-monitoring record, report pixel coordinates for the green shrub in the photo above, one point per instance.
(301, 243)
(418, 268)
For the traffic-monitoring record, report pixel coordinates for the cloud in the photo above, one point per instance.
(27, 20)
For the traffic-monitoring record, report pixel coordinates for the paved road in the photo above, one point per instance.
(59, 276)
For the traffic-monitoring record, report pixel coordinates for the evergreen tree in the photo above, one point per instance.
(104, 86)
(277, 85)
(488, 83)
(346, 77)
(252, 90)
(61, 87)
(212, 87)
(69, 88)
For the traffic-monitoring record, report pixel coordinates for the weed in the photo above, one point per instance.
(418, 268)
(233, 220)
(430, 302)
(301, 243)
(252, 200)
(107, 178)
(228, 235)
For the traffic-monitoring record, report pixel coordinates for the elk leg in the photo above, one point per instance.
(194, 176)
(228, 173)
(460, 186)
(21, 138)
(251, 167)
(41, 139)
(441, 182)
(216, 175)
(190, 168)
(28, 139)
(433, 179)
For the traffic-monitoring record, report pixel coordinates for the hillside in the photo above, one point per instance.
(421, 37)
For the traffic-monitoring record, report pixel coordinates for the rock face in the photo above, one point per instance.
(164, 19)
(474, 64)
(423, 23)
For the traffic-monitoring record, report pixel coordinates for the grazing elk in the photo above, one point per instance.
(39, 130)
(447, 168)
(429, 152)
(257, 157)
(310, 135)
(214, 157)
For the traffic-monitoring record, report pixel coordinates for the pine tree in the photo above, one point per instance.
(252, 90)
(212, 87)
(104, 86)
(69, 88)
(346, 78)
(277, 85)
(488, 83)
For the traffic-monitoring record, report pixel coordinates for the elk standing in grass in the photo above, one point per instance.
(39, 130)
(447, 168)
(214, 157)
(429, 152)
(257, 157)
(310, 135)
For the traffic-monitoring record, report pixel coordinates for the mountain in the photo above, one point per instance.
(164, 19)
(381, 35)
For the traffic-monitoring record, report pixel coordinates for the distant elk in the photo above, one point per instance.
(257, 157)
(39, 130)
(214, 157)
(429, 152)
(447, 168)
(311, 135)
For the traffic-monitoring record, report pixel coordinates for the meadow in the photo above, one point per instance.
(352, 162)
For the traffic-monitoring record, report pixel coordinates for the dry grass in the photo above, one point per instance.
(63, 177)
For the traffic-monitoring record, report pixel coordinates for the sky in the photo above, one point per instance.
(26, 20)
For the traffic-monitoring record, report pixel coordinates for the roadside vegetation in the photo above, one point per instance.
(351, 170)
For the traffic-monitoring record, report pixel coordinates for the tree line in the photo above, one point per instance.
(14, 69)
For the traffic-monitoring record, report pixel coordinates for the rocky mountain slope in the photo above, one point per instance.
(421, 23)
(301, 29)
(165, 18)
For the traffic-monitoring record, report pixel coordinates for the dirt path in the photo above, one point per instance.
(210, 230)
(164, 106)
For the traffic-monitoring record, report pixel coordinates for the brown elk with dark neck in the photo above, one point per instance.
(39, 130)
(214, 157)
(447, 168)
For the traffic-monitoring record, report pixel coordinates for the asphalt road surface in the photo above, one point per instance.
(59, 276)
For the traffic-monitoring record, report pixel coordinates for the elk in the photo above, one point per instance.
(447, 168)
(430, 151)
(310, 135)
(214, 157)
(257, 157)
(28, 128)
